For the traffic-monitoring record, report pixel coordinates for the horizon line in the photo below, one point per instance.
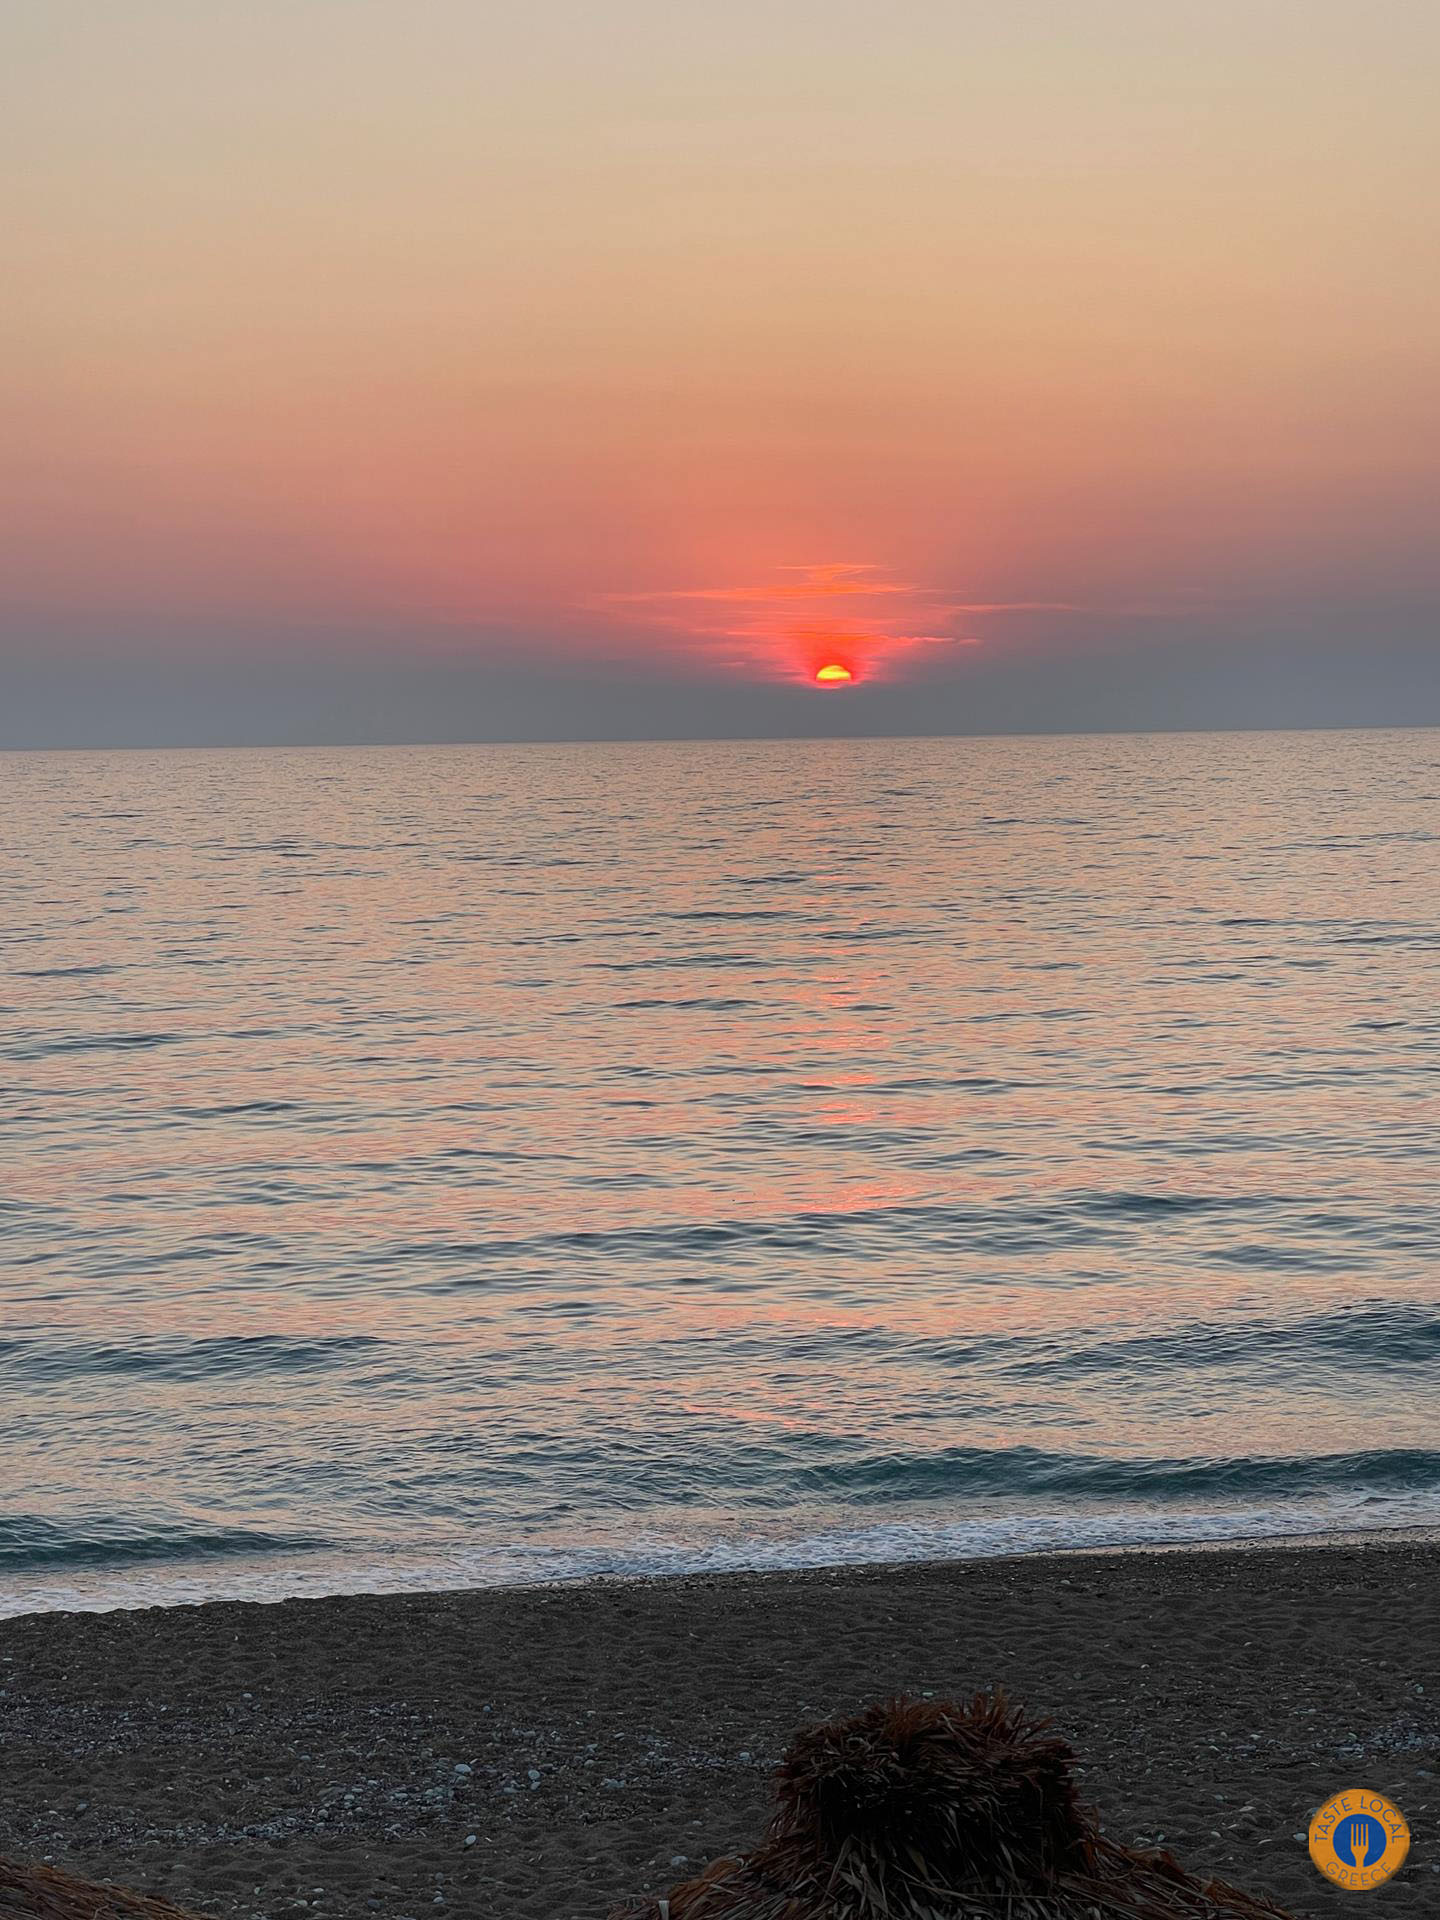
(714, 739)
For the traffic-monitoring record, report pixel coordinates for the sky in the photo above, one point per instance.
(426, 370)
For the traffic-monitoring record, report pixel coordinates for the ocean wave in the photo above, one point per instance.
(173, 1357)
(46, 1046)
(1381, 1336)
(29, 1541)
(1300, 1232)
(272, 1576)
(1022, 1475)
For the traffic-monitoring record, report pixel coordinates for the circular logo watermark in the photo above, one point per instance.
(1359, 1838)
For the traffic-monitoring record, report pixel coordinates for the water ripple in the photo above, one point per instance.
(488, 1163)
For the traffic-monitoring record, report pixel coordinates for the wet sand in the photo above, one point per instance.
(328, 1757)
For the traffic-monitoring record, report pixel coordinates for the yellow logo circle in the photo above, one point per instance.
(1359, 1838)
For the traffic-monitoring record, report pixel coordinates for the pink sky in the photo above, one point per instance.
(715, 338)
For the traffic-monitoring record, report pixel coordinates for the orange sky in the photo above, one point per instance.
(715, 337)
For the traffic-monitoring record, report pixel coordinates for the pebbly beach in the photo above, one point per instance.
(549, 1751)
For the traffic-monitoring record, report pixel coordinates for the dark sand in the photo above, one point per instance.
(249, 1760)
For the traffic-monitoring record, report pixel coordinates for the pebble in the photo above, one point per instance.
(463, 1771)
(470, 1839)
(679, 1859)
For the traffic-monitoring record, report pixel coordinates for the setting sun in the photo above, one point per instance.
(832, 674)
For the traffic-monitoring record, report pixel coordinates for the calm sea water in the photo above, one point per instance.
(449, 1166)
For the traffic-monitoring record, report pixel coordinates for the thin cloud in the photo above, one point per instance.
(850, 610)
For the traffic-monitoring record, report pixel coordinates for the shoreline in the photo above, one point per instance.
(310, 1758)
(258, 1581)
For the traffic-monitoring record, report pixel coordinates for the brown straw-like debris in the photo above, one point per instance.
(44, 1893)
(932, 1810)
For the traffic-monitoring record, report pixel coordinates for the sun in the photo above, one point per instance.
(832, 674)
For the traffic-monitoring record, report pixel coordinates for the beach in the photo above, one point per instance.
(336, 1756)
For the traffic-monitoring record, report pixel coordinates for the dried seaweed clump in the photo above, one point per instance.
(930, 1810)
(44, 1893)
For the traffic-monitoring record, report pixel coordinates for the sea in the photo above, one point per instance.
(464, 1166)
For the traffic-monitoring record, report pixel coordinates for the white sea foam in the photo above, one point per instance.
(271, 1578)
